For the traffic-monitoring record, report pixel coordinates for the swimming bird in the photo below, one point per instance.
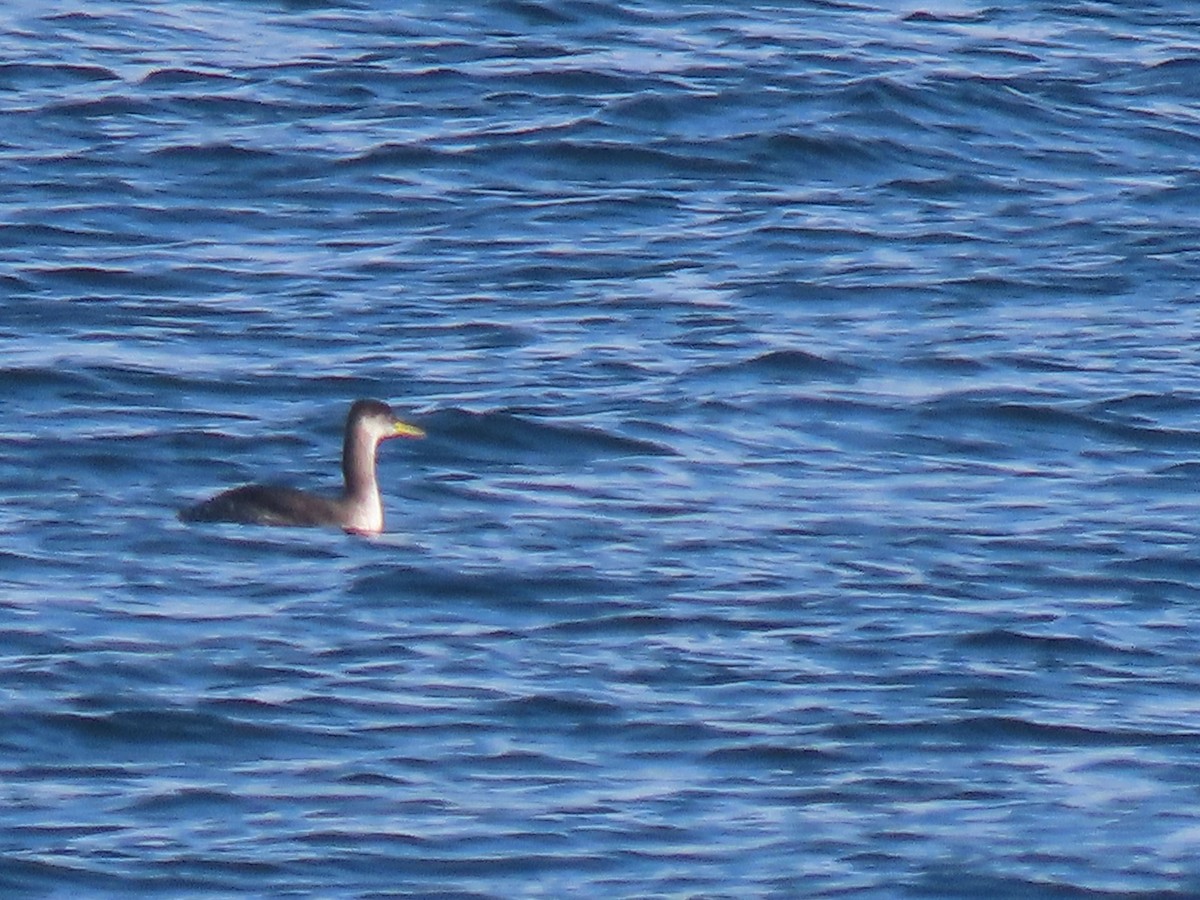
(359, 508)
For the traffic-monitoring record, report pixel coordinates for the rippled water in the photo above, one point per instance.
(808, 506)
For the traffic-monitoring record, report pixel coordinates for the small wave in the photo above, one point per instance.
(493, 335)
(950, 363)
(508, 588)
(234, 160)
(1179, 75)
(100, 108)
(1181, 570)
(670, 160)
(829, 149)
(922, 16)
(151, 726)
(571, 79)
(15, 283)
(216, 152)
(1000, 730)
(29, 380)
(1053, 645)
(790, 365)
(1049, 414)
(877, 99)
(16, 75)
(91, 276)
(622, 624)
(650, 108)
(108, 279)
(535, 13)
(1023, 409)
(558, 707)
(390, 155)
(187, 801)
(42, 235)
(503, 433)
(1187, 472)
(175, 76)
(775, 757)
(41, 878)
(957, 185)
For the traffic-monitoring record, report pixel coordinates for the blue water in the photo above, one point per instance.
(809, 502)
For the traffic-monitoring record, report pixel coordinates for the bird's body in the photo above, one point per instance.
(268, 504)
(359, 508)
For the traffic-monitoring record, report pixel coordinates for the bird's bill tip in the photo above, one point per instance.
(404, 429)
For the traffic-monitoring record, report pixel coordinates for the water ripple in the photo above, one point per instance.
(806, 502)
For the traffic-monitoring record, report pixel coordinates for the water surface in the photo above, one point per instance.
(807, 507)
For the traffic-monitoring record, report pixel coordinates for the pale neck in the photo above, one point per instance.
(358, 463)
